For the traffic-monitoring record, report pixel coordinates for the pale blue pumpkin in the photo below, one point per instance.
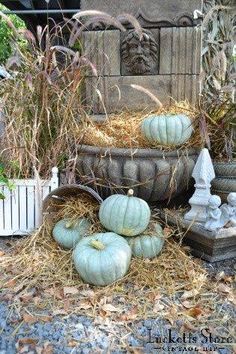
(167, 129)
(125, 214)
(147, 246)
(102, 258)
(67, 233)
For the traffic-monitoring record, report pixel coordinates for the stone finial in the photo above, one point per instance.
(203, 174)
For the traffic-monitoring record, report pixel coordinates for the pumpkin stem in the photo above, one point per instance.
(97, 244)
(70, 224)
(130, 193)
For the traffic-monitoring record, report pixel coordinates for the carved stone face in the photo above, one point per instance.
(139, 56)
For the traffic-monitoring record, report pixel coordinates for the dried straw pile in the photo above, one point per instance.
(38, 262)
(123, 130)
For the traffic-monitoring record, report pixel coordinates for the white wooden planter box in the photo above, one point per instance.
(21, 210)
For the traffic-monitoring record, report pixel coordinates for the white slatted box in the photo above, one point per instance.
(21, 210)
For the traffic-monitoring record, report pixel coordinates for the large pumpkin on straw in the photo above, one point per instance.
(167, 129)
(125, 214)
(103, 258)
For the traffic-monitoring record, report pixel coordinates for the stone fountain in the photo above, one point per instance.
(165, 61)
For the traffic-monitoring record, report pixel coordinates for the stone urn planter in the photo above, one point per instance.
(154, 175)
(225, 181)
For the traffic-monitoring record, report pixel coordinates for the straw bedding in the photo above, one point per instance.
(123, 130)
(37, 262)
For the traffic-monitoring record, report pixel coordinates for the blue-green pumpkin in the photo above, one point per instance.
(125, 214)
(147, 246)
(167, 129)
(102, 258)
(67, 233)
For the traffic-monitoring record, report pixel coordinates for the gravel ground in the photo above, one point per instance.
(79, 334)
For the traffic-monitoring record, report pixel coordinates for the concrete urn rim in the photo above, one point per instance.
(138, 152)
(153, 174)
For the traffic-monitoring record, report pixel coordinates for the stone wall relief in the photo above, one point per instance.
(139, 56)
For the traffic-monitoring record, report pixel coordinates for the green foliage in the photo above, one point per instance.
(5, 181)
(6, 35)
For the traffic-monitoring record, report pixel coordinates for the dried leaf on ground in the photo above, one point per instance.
(59, 313)
(222, 288)
(10, 283)
(129, 315)
(29, 318)
(189, 294)
(84, 305)
(195, 312)
(45, 318)
(70, 290)
(187, 304)
(31, 341)
(158, 307)
(72, 343)
(110, 308)
(47, 348)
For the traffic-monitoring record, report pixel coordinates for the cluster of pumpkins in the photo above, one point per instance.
(103, 258)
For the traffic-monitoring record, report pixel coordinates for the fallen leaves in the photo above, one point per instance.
(26, 297)
(110, 308)
(23, 341)
(27, 318)
(10, 283)
(195, 312)
(130, 315)
(84, 305)
(72, 343)
(223, 288)
(70, 290)
(158, 307)
(189, 294)
(59, 312)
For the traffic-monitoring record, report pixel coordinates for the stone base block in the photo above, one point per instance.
(211, 246)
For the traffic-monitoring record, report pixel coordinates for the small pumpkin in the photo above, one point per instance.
(67, 233)
(167, 129)
(102, 258)
(147, 246)
(125, 214)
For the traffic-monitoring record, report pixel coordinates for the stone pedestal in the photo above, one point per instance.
(212, 246)
(166, 61)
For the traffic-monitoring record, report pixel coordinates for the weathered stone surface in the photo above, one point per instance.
(117, 94)
(166, 61)
(178, 12)
(180, 50)
(102, 48)
(213, 246)
(153, 174)
(185, 87)
(225, 181)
